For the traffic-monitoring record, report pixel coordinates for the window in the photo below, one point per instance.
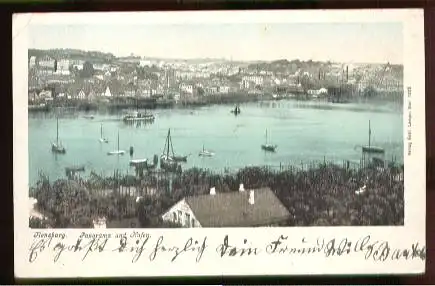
(187, 219)
(174, 217)
(193, 222)
(180, 217)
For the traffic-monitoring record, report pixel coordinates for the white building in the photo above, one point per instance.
(46, 62)
(130, 93)
(33, 212)
(177, 97)
(257, 80)
(145, 63)
(99, 76)
(101, 67)
(224, 89)
(82, 94)
(77, 62)
(63, 64)
(78, 66)
(63, 67)
(45, 94)
(99, 222)
(241, 208)
(317, 92)
(187, 87)
(32, 62)
(107, 93)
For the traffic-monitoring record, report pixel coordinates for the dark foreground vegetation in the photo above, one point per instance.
(322, 195)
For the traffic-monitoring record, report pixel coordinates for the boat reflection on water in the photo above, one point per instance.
(138, 124)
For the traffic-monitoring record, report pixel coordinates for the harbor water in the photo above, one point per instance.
(303, 131)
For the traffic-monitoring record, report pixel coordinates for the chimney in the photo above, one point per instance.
(241, 188)
(213, 191)
(251, 197)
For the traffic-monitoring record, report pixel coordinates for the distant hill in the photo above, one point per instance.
(285, 66)
(92, 56)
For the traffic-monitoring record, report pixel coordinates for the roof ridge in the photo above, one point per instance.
(230, 192)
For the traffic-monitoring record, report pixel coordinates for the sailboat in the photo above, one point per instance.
(116, 152)
(168, 151)
(167, 161)
(57, 146)
(268, 147)
(205, 153)
(102, 139)
(236, 110)
(372, 149)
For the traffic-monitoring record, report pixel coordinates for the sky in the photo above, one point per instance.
(336, 42)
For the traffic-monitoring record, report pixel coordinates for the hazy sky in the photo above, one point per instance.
(348, 42)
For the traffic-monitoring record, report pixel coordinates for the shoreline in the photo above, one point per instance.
(350, 165)
(118, 104)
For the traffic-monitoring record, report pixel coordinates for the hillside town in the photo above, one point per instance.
(93, 79)
(138, 191)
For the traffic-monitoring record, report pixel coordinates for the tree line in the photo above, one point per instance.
(322, 195)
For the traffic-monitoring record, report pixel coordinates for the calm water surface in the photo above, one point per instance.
(307, 131)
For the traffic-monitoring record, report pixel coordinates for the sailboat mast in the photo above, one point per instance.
(164, 147)
(172, 147)
(370, 133)
(118, 140)
(169, 136)
(57, 130)
(101, 130)
(266, 136)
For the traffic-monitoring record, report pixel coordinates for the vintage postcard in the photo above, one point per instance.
(219, 143)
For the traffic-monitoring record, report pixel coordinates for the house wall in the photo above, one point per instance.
(100, 223)
(63, 65)
(81, 95)
(187, 88)
(46, 62)
(62, 72)
(180, 213)
(224, 89)
(258, 80)
(32, 61)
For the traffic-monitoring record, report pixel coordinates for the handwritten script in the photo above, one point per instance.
(141, 246)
